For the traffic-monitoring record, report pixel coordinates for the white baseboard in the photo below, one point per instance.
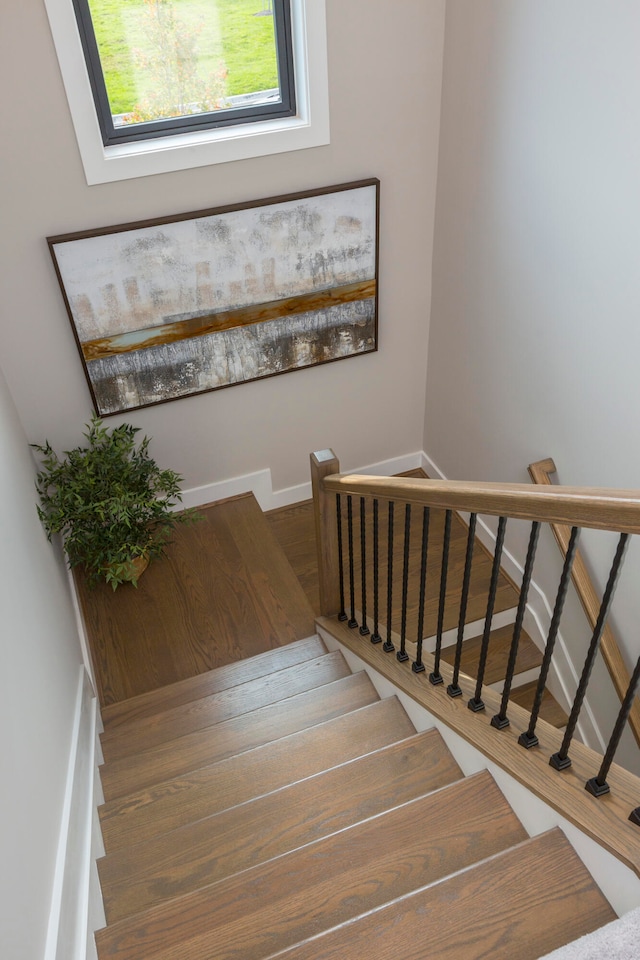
(260, 484)
(619, 884)
(74, 901)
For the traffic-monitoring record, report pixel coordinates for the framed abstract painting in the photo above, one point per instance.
(173, 307)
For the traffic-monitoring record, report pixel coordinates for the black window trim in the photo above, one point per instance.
(174, 126)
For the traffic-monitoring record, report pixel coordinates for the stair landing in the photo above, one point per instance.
(224, 592)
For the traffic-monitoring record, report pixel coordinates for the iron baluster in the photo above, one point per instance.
(418, 666)
(342, 615)
(364, 629)
(528, 738)
(500, 721)
(435, 677)
(375, 636)
(561, 759)
(598, 786)
(476, 703)
(388, 645)
(454, 688)
(352, 622)
(402, 654)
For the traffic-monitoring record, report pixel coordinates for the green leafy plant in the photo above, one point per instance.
(111, 503)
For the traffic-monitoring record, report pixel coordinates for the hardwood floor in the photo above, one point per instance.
(224, 592)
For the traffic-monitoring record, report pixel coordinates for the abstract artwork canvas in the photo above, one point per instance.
(175, 307)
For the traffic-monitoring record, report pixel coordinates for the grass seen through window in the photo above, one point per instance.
(171, 57)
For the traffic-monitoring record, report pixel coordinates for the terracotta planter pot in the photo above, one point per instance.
(136, 568)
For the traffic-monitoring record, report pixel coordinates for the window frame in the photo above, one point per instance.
(309, 127)
(286, 107)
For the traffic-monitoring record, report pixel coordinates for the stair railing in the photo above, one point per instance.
(347, 507)
(540, 473)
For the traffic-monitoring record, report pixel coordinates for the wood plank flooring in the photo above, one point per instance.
(224, 592)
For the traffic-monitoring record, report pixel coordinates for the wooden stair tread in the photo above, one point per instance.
(138, 735)
(284, 901)
(203, 747)
(550, 709)
(143, 874)
(490, 910)
(213, 681)
(172, 803)
(529, 657)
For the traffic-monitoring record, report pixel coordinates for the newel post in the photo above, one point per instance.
(323, 464)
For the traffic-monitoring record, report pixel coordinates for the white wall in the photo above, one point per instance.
(535, 333)
(385, 72)
(39, 670)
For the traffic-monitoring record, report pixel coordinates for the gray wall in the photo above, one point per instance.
(39, 674)
(535, 338)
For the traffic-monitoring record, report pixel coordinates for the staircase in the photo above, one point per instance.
(277, 806)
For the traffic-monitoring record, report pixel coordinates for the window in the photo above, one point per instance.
(160, 67)
(179, 93)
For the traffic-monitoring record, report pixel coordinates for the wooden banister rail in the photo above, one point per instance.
(540, 474)
(601, 509)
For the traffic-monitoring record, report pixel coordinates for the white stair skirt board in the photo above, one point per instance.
(618, 883)
(76, 905)
(619, 940)
(563, 678)
(260, 484)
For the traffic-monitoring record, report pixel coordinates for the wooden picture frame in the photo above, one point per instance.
(178, 306)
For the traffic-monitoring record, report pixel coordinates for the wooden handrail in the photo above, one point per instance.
(602, 509)
(540, 474)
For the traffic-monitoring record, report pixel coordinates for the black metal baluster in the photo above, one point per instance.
(598, 786)
(454, 688)
(561, 759)
(375, 636)
(352, 622)
(435, 677)
(364, 629)
(342, 615)
(388, 645)
(500, 721)
(402, 654)
(528, 738)
(418, 666)
(476, 703)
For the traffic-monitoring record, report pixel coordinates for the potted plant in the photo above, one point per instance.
(110, 501)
